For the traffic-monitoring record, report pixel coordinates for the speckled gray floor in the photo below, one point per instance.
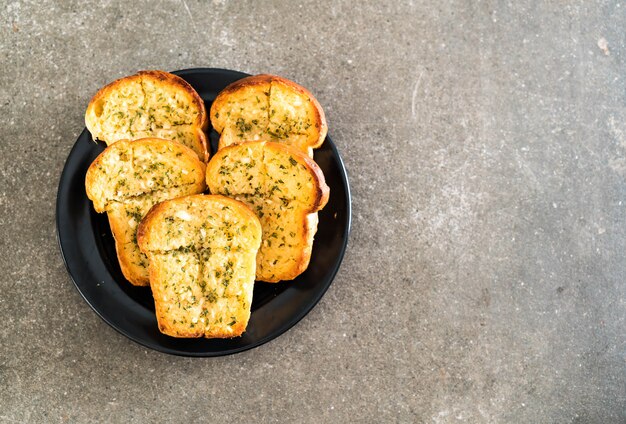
(485, 277)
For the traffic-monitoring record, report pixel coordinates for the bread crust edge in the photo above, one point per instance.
(128, 270)
(143, 239)
(309, 216)
(265, 79)
(201, 123)
(117, 229)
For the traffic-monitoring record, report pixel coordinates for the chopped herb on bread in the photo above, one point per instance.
(269, 108)
(202, 251)
(149, 104)
(285, 188)
(128, 178)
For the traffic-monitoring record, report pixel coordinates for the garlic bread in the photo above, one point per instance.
(285, 188)
(269, 108)
(128, 178)
(149, 104)
(202, 252)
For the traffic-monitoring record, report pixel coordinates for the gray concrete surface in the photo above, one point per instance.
(485, 277)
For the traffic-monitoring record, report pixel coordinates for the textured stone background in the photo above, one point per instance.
(485, 277)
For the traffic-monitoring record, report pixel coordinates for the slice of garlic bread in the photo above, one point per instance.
(202, 252)
(269, 108)
(285, 188)
(130, 177)
(149, 104)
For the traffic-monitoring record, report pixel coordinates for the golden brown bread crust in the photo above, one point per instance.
(164, 79)
(287, 199)
(322, 190)
(320, 116)
(133, 264)
(266, 83)
(117, 163)
(202, 286)
(218, 103)
(202, 120)
(125, 181)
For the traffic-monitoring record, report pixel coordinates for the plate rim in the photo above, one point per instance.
(285, 326)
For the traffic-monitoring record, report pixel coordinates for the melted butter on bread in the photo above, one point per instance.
(202, 251)
(130, 177)
(285, 188)
(149, 104)
(268, 108)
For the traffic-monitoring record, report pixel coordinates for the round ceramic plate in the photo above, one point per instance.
(88, 250)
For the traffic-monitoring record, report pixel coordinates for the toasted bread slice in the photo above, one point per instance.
(202, 252)
(269, 108)
(285, 188)
(130, 177)
(149, 104)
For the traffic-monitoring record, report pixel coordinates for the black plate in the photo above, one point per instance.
(89, 252)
